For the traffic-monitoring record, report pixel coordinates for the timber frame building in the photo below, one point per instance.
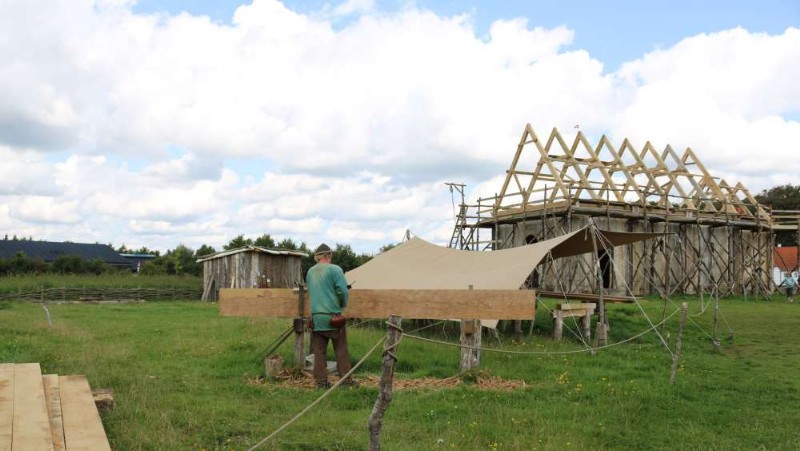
(719, 237)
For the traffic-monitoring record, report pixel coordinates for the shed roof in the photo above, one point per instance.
(49, 251)
(256, 249)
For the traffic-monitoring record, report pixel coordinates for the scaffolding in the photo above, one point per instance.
(719, 236)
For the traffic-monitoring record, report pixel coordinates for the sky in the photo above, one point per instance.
(164, 122)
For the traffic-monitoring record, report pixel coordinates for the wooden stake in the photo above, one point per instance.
(470, 342)
(677, 355)
(393, 335)
(602, 335)
(558, 325)
(299, 331)
(714, 339)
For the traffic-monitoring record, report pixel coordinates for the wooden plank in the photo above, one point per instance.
(408, 304)
(31, 428)
(571, 313)
(53, 397)
(6, 404)
(585, 297)
(576, 306)
(83, 429)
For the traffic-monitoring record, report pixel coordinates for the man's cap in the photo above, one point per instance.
(323, 249)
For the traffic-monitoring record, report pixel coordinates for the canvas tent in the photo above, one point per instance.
(418, 264)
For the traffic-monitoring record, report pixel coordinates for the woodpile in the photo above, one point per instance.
(47, 412)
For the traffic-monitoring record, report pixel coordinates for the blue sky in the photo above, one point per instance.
(615, 31)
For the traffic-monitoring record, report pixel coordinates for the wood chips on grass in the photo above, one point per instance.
(288, 378)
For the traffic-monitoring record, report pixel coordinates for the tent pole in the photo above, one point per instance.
(602, 337)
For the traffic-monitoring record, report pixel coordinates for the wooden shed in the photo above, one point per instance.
(251, 267)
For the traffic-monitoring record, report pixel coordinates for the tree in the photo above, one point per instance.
(183, 261)
(387, 247)
(204, 250)
(264, 241)
(288, 244)
(344, 256)
(784, 197)
(238, 242)
(68, 264)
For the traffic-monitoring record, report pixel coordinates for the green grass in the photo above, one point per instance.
(183, 379)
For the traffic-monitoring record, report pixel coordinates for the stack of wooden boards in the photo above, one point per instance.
(49, 412)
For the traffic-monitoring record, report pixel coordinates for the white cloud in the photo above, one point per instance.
(360, 116)
(41, 209)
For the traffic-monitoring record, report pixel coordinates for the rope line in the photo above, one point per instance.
(606, 245)
(275, 344)
(576, 351)
(564, 292)
(389, 350)
(671, 301)
(323, 396)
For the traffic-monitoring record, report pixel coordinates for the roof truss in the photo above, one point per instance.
(551, 173)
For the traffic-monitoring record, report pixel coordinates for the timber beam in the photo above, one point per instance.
(408, 304)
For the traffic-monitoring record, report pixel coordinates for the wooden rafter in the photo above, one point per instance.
(553, 173)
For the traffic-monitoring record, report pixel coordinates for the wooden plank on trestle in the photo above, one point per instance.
(31, 428)
(6, 404)
(83, 429)
(408, 304)
(53, 397)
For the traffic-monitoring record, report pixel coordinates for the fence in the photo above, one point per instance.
(99, 294)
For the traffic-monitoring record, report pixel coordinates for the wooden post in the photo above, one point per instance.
(393, 335)
(667, 279)
(470, 343)
(714, 340)
(47, 314)
(586, 323)
(677, 355)
(702, 298)
(558, 325)
(299, 331)
(602, 336)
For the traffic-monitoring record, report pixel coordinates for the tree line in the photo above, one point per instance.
(183, 260)
(179, 261)
(64, 264)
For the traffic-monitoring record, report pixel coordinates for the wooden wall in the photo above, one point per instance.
(250, 270)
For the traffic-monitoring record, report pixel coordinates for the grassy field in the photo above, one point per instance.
(123, 279)
(185, 378)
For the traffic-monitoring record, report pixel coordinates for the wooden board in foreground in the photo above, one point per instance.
(83, 429)
(53, 396)
(6, 404)
(31, 428)
(409, 304)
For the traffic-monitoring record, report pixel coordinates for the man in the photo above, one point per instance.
(328, 290)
